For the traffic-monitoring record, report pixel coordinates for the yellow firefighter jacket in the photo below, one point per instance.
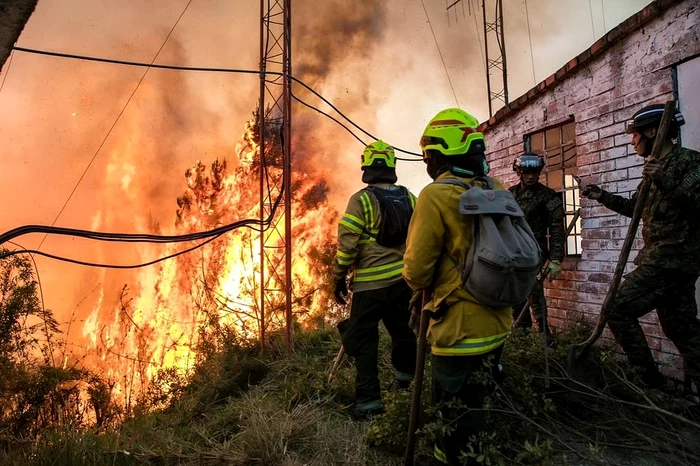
(438, 231)
(374, 266)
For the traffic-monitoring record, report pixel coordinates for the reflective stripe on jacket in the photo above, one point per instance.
(437, 228)
(374, 266)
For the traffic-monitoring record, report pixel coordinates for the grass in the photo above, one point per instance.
(244, 408)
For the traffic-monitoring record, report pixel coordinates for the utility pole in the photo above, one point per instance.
(275, 126)
(496, 65)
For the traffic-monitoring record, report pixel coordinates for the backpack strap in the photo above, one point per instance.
(486, 179)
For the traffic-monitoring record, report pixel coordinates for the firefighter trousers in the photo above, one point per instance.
(456, 379)
(360, 335)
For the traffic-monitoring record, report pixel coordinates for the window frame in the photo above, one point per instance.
(566, 186)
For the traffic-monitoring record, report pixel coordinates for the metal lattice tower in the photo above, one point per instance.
(274, 125)
(496, 59)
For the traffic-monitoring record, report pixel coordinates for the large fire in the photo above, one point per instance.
(163, 315)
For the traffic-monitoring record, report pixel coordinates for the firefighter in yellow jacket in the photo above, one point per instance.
(371, 242)
(466, 336)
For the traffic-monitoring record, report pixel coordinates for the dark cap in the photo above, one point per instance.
(650, 117)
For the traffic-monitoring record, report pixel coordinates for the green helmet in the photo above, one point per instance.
(453, 132)
(379, 154)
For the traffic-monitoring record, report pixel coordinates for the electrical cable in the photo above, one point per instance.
(7, 70)
(529, 36)
(205, 69)
(341, 124)
(478, 36)
(444, 65)
(109, 132)
(240, 224)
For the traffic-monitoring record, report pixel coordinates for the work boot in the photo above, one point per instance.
(365, 415)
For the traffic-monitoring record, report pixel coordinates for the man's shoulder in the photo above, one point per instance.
(689, 155)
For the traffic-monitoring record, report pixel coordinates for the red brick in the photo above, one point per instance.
(584, 56)
(612, 130)
(594, 124)
(589, 266)
(596, 234)
(614, 153)
(615, 175)
(586, 138)
(600, 277)
(602, 166)
(573, 63)
(598, 45)
(588, 159)
(560, 73)
(550, 80)
(623, 140)
(629, 161)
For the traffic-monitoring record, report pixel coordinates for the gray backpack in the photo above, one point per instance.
(504, 259)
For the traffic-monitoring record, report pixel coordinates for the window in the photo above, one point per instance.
(558, 147)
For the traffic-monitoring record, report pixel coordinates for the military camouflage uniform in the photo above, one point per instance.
(544, 211)
(667, 266)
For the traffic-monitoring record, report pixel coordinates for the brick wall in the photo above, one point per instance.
(628, 68)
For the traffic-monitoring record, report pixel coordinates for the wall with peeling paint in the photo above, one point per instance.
(632, 66)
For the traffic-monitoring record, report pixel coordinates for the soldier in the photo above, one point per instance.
(371, 242)
(668, 264)
(544, 212)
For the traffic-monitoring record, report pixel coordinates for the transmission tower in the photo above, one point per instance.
(274, 125)
(496, 66)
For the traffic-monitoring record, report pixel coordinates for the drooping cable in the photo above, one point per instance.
(210, 70)
(212, 235)
(529, 37)
(7, 70)
(345, 127)
(437, 45)
(109, 132)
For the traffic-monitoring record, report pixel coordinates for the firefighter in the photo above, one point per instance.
(668, 264)
(371, 242)
(544, 213)
(466, 337)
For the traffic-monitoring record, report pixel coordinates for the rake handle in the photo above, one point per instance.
(417, 383)
(642, 196)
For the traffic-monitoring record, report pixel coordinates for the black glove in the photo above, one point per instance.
(341, 291)
(592, 191)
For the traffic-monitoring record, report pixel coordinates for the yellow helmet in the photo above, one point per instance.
(453, 132)
(379, 154)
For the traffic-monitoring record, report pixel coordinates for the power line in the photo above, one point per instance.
(478, 35)
(99, 148)
(440, 53)
(529, 37)
(205, 69)
(590, 8)
(7, 70)
(342, 125)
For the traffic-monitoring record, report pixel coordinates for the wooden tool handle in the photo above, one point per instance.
(642, 196)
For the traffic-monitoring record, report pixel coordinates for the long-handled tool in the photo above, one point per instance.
(417, 382)
(578, 352)
(545, 270)
(336, 363)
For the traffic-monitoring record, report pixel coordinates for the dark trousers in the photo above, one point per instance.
(537, 309)
(672, 294)
(360, 335)
(453, 380)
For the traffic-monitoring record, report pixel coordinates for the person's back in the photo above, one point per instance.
(464, 334)
(371, 243)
